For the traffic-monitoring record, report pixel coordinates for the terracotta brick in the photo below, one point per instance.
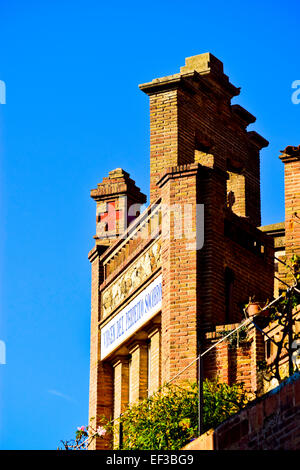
(268, 428)
(138, 380)
(201, 153)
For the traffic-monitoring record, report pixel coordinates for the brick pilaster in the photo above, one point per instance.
(154, 361)
(179, 272)
(101, 375)
(291, 159)
(121, 390)
(138, 371)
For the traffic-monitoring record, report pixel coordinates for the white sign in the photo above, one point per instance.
(131, 318)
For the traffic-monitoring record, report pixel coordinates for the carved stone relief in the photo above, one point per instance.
(131, 279)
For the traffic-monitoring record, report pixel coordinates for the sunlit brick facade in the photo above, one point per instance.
(167, 278)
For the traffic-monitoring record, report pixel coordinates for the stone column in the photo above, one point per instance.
(154, 360)
(138, 371)
(121, 390)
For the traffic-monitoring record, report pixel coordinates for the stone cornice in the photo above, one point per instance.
(290, 154)
(203, 68)
(177, 172)
(257, 139)
(97, 251)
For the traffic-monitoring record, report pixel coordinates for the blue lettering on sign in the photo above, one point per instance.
(127, 320)
(135, 314)
(120, 329)
(109, 336)
(153, 298)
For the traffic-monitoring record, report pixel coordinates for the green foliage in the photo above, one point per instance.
(169, 419)
(236, 338)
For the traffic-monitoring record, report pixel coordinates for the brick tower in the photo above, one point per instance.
(191, 260)
(200, 149)
(290, 156)
(291, 159)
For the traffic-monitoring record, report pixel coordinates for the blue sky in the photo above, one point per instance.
(73, 112)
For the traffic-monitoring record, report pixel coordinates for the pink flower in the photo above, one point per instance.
(81, 428)
(101, 431)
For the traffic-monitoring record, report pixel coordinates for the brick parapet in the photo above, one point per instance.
(178, 104)
(271, 422)
(132, 242)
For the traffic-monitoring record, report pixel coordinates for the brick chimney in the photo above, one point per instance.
(291, 159)
(118, 204)
(192, 121)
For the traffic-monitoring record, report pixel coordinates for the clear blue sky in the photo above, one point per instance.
(74, 112)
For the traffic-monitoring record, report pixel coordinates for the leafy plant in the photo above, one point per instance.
(169, 419)
(234, 340)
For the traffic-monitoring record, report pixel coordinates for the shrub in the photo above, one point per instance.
(169, 418)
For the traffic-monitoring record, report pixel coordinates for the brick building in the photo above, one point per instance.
(286, 234)
(167, 278)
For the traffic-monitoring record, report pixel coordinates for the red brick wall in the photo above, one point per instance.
(197, 140)
(101, 373)
(163, 137)
(292, 205)
(270, 423)
(232, 248)
(291, 159)
(238, 363)
(192, 120)
(249, 254)
(179, 271)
